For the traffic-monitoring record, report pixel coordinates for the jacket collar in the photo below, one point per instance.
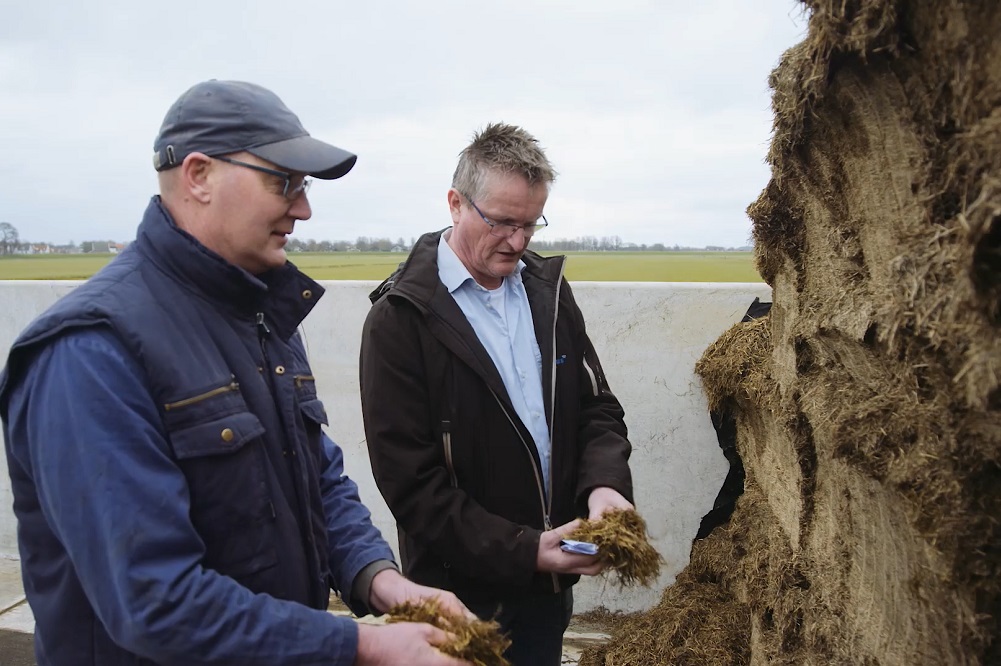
(417, 277)
(285, 295)
(417, 280)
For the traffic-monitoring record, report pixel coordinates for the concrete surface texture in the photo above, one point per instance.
(16, 623)
(648, 336)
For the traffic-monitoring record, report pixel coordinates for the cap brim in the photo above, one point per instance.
(307, 155)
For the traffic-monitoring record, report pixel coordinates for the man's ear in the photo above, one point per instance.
(195, 179)
(454, 204)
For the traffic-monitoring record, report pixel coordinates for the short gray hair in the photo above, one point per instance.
(501, 148)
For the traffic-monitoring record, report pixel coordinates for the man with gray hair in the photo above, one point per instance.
(487, 413)
(177, 500)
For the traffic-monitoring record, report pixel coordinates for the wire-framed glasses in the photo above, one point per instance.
(508, 229)
(295, 185)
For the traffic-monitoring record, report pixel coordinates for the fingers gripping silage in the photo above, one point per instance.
(868, 403)
(623, 546)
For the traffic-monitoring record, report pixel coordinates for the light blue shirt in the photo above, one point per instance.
(502, 320)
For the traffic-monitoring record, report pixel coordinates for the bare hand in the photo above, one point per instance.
(390, 588)
(604, 499)
(403, 643)
(551, 558)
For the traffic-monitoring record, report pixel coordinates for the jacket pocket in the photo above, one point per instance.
(218, 445)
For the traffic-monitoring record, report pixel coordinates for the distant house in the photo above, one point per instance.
(97, 247)
(40, 248)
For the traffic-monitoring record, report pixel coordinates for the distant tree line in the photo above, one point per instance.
(539, 242)
(10, 243)
(615, 244)
(361, 244)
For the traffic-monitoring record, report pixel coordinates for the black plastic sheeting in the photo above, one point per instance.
(725, 424)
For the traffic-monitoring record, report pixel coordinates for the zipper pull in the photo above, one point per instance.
(262, 328)
(548, 523)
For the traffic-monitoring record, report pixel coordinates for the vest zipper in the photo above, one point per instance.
(288, 452)
(262, 333)
(232, 386)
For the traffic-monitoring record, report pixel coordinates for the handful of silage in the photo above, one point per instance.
(478, 642)
(622, 544)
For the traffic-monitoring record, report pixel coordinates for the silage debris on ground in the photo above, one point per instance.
(623, 544)
(476, 641)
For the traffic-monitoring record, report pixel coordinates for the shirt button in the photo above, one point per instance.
(227, 435)
(280, 370)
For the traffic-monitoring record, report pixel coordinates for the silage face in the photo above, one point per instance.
(868, 414)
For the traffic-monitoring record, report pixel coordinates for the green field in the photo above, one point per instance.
(581, 266)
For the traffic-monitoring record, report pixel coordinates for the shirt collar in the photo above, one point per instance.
(453, 273)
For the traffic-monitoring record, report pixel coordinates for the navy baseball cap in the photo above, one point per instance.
(222, 117)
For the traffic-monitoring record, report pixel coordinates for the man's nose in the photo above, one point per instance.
(518, 240)
(300, 208)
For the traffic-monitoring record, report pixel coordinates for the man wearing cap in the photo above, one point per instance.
(176, 498)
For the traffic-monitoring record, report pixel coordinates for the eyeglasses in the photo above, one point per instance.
(290, 191)
(507, 229)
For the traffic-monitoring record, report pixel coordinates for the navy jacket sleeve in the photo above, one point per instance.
(353, 540)
(81, 423)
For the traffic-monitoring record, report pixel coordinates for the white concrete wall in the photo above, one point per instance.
(648, 336)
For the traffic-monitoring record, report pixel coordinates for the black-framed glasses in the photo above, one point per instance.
(507, 229)
(295, 186)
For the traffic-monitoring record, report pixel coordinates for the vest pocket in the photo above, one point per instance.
(222, 457)
(216, 437)
(313, 410)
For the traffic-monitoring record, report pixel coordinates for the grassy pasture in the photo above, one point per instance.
(581, 266)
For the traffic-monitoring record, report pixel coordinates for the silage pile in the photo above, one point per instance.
(868, 403)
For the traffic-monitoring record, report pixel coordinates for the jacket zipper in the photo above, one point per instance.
(590, 374)
(232, 386)
(552, 388)
(544, 501)
(446, 440)
(538, 480)
(552, 416)
(301, 379)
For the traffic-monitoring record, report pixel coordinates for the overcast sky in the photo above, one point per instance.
(655, 113)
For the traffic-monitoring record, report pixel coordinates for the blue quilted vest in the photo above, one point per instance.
(238, 402)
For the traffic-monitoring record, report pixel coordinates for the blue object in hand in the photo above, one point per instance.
(579, 547)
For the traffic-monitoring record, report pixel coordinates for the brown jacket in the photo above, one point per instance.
(456, 465)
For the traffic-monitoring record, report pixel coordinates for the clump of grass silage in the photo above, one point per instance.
(477, 641)
(623, 545)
